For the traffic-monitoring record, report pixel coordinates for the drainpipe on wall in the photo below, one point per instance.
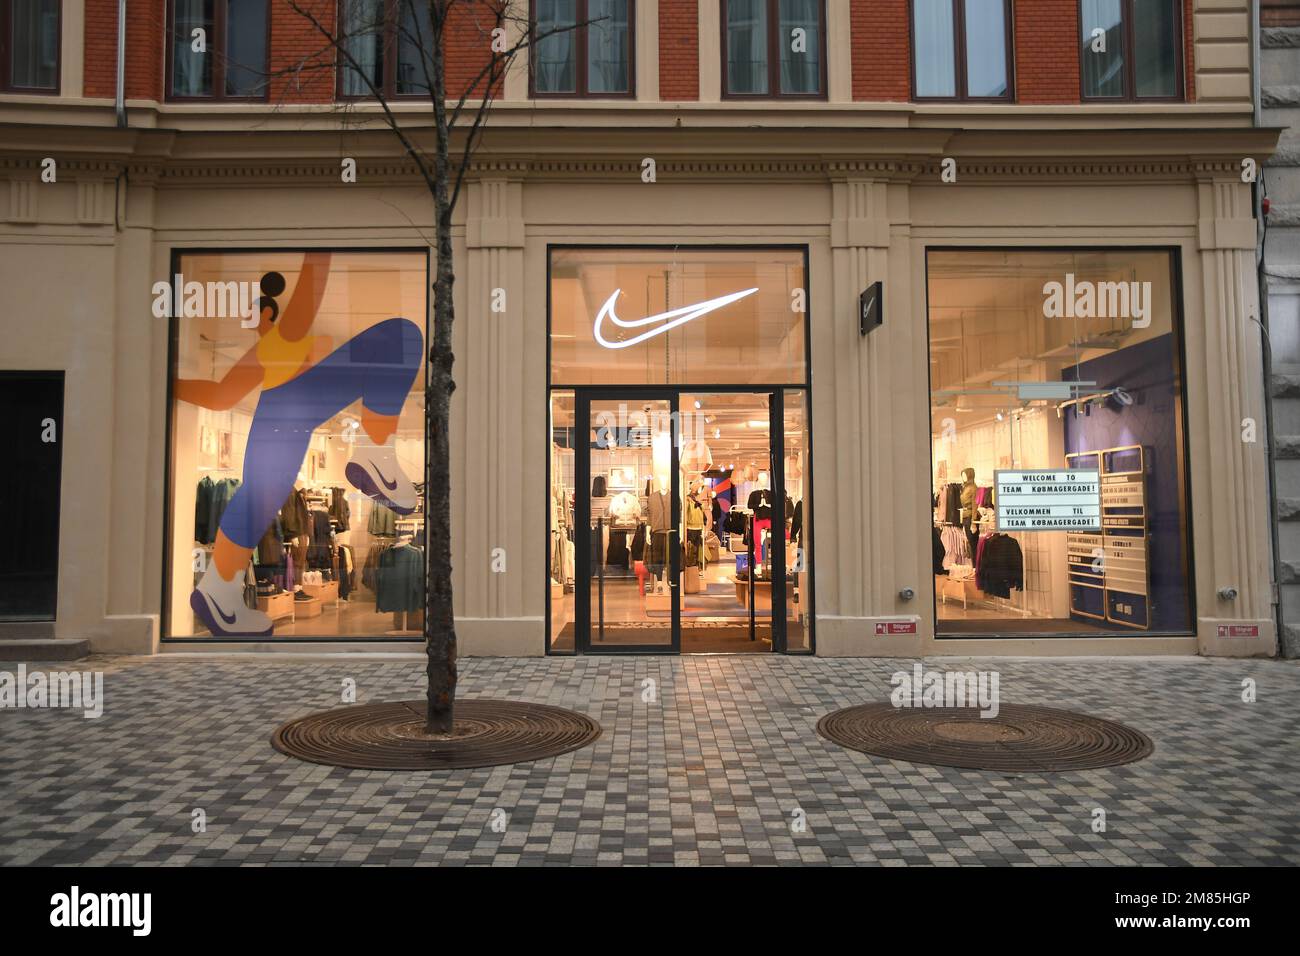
(121, 64)
(1266, 351)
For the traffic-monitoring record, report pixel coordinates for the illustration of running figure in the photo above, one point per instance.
(304, 385)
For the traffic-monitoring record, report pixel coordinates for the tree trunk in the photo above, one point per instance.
(439, 622)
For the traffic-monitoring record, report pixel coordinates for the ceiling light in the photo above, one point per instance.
(756, 423)
(698, 403)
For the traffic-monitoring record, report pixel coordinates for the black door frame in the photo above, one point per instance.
(582, 518)
(583, 396)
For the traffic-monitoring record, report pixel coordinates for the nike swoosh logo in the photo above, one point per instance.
(665, 320)
(390, 485)
(228, 618)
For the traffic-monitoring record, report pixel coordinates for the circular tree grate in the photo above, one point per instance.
(1019, 738)
(487, 733)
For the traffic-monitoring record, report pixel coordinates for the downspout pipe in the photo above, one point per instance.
(1266, 350)
(121, 64)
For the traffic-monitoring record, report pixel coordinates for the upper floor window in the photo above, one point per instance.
(29, 46)
(1131, 49)
(774, 48)
(387, 44)
(582, 48)
(218, 49)
(961, 49)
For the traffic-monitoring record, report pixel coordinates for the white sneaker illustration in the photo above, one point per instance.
(220, 605)
(375, 472)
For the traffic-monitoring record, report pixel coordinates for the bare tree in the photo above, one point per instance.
(425, 28)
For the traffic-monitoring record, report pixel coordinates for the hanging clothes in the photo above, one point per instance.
(202, 509)
(956, 546)
(339, 510)
(294, 515)
(320, 552)
(383, 522)
(1002, 566)
(400, 579)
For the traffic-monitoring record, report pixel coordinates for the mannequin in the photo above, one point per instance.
(968, 507)
(697, 518)
(967, 497)
(661, 523)
(760, 502)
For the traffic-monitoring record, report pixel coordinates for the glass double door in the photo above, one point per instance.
(677, 519)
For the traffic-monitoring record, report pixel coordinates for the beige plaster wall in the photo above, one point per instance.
(87, 281)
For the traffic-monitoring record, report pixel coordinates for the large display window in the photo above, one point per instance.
(1060, 501)
(297, 444)
(679, 490)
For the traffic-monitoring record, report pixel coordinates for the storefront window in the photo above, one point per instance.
(297, 444)
(679, 430)
(1059, 494)
(669, 316)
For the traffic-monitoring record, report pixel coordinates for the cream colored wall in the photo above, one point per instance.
(1221, 33)
(861, 218)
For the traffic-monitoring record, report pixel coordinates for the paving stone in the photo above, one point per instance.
(712, 773)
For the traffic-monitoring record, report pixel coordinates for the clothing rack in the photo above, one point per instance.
(1008, 604)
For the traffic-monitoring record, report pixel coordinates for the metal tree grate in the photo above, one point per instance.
(390, 736)
(1019, 738)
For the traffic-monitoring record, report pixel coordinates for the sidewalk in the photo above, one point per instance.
(711, 772)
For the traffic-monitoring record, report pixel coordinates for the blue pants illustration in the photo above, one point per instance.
(376, 366)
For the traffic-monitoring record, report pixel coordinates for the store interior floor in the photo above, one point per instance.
(996, 623)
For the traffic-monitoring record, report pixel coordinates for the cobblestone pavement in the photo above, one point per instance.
(710, 773)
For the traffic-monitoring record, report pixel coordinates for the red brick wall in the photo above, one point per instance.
(298, 47)
(469, 46)
(881, 41)
(293, 38)
(144, 48)
(1047, 51)
(1189, 51)
(679, 50)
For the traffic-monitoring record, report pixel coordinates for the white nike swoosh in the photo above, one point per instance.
(669, 320)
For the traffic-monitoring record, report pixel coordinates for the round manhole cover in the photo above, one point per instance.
(1019, 738)
(390, 736)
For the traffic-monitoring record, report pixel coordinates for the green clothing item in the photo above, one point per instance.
(400, 580)
(694, 515)
(968, 503)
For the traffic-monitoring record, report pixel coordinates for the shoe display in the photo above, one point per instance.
(375, 472)
(219, 604)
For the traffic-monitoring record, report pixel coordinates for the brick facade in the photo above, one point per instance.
(1047, 51)
(145, 50)
(881, 33)
(302, 69)
(679, 50)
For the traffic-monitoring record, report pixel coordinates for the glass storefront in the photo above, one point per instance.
(297, 444)
(1059, 457)
(679, 451)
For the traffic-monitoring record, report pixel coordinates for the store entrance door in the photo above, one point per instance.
(678, 522)
(628, 509)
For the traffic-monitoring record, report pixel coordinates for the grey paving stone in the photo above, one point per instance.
(712, 773)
